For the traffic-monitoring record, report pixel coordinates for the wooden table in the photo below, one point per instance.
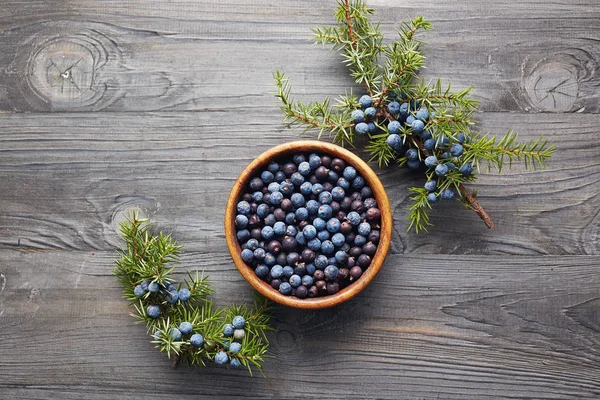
(108, 106)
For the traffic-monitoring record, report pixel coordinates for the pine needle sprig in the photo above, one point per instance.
(146, 260)
(389, 73)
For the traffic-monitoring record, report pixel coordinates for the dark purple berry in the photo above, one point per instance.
(373, 236)
(356, 196)
(308, 255)
(346, 204)
(370, 202)
(345, 228)
(358, 206)
(355, 252)
(321, 174)
(286, 205)
(292, 259)
(338, 165)
(373, 214)
(301, 292)
(256, 184)
(275, 284)
(256, 233)
(343, 274)
(319, 275)
(253, 221)
(289, 169)
(313, 291)
(366, 192)
(289, 243)
(333, 288)
(363, 261)
(326, 161)
(369, 249)
(279, 214)
(247, 197)
(274, 247)
(355, 273)
(321, 286)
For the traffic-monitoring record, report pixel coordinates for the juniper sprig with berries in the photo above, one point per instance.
(179, 316)
(407, 121)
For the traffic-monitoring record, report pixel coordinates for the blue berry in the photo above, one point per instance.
(443, 141)
(358, 182)
(276, 198)
(412, 154)
(338, 239)
(304, 168)
(331, 272)
(341, 257)
(295, 280)
(372, 127)
(186, 328)
(394, 127)
(431, 161)
(430, 186)
(327, 247)
(288, 271)
(196, 340)
(297, 200)
(247, 255)
(310, 270)
(299, 158)
(323, 235)
(343, 183)
(301, 214)
(144, 285)
(270, 259)
(314, 244)
(325, 197)
(221, 358)
(423, 114)
(273, 167)
(259, 254)
(425, 135)
(276, 271)
(317, 188)
(314, 161)
(235, 363)
(358, 116)
(273, 187)
(184, 294)
(138, 291)
(307, 280)
(447, 194)
(287, 188)
(153, 287)
(175, 334)
(306, 188)
(285, 288)
(333, 225)
(297, 179)
(173, 297)
(243, 207)
(370, 112)
(432, 198)
(466, 169)
(238, 322)
(267, 177)
(310, 232)
(461, 137)
(349, 173)
(413, 164)
(393, 107)
(290, 218)
(280, 177)
(394, 141)
(451, 166)
(410, 119)
(262, 210)
(360, 240)
(262, 271)
(234, 347)
(279, 228)
(361, 128)
(441, 170)
(319, 224)
(257, 197)
(353, 217)
(267, 233)
(456, 150)
(417, 126)
(365, 101)
(364, 228)
(153, 311)
(241, 221)
(404, 109)
(429, 144)
(325, 211)
(320, 261)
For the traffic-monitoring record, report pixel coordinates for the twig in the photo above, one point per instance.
(474, 204)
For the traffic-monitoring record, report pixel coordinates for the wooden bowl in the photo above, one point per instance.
(289, 149)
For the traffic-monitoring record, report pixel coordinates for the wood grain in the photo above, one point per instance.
(117, 105)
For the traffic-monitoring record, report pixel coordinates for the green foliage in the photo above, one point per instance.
(390, 71)
(148, 257)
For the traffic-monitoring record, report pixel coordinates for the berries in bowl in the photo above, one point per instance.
(308, 224)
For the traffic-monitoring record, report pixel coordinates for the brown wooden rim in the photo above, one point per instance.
(378, 191)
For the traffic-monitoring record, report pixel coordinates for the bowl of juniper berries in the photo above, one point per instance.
(308, 224)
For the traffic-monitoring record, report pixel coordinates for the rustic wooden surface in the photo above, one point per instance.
(107, 106)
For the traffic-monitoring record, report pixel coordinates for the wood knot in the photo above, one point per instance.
(71, 69)
(558, 83)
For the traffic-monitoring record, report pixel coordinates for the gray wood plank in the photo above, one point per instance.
(470, 326)
(187, 55)
(69, 178)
